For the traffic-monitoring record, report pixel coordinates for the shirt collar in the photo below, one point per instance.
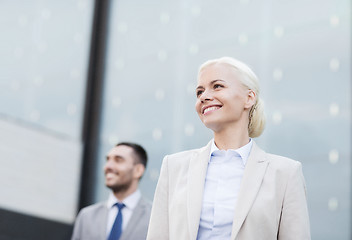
(243, 151)
(131, 201)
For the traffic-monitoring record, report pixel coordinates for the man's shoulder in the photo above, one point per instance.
(144, 205)
(145, 202)
(94, 208)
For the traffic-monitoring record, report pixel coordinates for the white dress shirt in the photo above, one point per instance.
(222, 184)
(130, 203)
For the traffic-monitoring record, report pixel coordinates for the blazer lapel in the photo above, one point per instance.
(252, 179)
(137, 215)
(196, 178)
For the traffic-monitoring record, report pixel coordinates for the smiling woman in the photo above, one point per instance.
(219, 74)
(229, 189)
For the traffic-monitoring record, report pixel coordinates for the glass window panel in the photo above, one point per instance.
(44, 57)
(300, 54)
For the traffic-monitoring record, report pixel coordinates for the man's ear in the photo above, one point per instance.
(138, 170)
(251, 98)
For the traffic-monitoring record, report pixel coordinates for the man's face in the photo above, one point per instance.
(119, 168)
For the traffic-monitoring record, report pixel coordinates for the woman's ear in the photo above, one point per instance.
(251, 98)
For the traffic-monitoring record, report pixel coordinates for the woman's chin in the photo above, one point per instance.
(214, 126)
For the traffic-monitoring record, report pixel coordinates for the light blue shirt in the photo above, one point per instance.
(222, 184)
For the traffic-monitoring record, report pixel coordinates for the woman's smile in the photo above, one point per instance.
(209, 109)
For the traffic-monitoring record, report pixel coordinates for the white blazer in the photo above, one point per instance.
(271, 203)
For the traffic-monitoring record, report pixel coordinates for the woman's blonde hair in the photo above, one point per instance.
(249, 80)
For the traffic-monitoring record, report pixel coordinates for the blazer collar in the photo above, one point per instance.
(196, 177)
(138, 213)
(243, 151)
(252, 179)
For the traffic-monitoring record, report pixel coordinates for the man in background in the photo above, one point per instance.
(125, 215)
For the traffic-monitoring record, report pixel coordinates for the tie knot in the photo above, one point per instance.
(120, 205)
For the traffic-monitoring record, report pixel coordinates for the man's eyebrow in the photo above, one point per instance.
(114, 156)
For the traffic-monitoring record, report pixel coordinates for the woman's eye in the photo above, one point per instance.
(217, 86)
(199, 92)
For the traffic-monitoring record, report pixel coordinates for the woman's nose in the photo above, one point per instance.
(206, 96)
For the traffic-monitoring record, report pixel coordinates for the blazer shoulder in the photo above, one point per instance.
(260, 154)
(188, 153)
(283, 163)
(144, 202)
(282, 159)
(91, 222)
(93, 209)
(180, 160)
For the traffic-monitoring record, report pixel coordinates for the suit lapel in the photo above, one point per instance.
(138, 213)
(196, 177)
(250, 185)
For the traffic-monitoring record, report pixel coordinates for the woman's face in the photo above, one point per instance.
(222, 101)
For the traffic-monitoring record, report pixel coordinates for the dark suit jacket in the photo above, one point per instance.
(92, 220)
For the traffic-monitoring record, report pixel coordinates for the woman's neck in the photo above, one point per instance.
(231, 138)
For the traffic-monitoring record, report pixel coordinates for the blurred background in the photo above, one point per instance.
(78, 76)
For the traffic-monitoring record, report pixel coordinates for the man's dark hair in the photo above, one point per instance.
(138, 150)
